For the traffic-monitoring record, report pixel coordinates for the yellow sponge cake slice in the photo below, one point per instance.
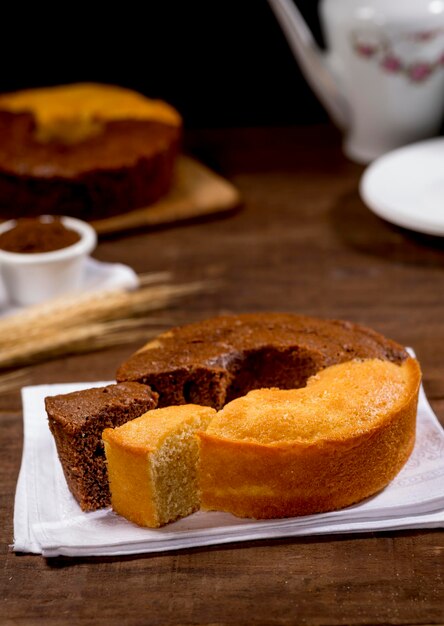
(152, 464)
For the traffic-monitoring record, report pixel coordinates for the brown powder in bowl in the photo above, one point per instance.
(35, 235)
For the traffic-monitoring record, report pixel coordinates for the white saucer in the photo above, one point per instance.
(406, 187)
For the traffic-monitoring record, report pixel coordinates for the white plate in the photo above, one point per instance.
(406, 187)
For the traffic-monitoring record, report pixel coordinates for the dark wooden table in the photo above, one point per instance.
(302, 242)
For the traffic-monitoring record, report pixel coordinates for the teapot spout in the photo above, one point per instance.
(311, 60)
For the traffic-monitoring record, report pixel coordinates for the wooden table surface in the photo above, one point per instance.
(302, 242)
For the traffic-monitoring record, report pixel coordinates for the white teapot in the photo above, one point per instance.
(382, 77)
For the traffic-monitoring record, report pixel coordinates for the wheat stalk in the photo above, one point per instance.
(13, 380)
(106, 304)
(87, 322)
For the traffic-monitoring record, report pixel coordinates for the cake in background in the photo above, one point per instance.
(86, 150)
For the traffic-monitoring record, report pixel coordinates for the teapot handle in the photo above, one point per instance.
(311, 60)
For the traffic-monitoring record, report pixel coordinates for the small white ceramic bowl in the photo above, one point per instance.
(33, 278)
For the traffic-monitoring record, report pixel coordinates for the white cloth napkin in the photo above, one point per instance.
(98, 276)
(48, 520)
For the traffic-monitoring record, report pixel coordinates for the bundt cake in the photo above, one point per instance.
(318, 414)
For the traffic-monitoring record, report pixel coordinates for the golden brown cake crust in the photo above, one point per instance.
(216, 360)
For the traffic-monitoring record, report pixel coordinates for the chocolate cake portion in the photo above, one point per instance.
(216, 360)
(77, 421)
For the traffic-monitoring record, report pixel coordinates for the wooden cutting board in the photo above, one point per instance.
(196, 191)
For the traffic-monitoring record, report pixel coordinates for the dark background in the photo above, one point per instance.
(221, 63)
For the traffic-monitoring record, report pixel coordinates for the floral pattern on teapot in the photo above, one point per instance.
(390, 54)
